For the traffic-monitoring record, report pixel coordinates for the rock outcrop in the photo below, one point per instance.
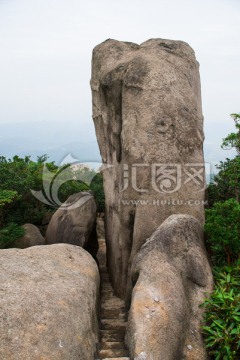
(32, 237)
(75, 223)
(171, 277)
(149, 125)
(49, 297)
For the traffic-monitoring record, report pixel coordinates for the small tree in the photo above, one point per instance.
(226, 183)
(233, 139)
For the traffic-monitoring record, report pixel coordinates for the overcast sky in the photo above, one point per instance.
(46, 46)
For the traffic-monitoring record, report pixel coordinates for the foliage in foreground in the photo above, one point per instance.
(222, 315)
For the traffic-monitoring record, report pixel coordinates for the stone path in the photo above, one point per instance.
(112, 316)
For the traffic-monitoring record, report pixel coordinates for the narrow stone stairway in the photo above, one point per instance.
(112, 315)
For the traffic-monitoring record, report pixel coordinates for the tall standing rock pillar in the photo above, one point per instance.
(149, 125)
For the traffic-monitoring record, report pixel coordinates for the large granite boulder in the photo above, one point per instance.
(49, 297)
(75, 223)
(149, 125)
(171, 277)
(32, 237)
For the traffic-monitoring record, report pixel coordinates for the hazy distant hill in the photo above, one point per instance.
(55, 140)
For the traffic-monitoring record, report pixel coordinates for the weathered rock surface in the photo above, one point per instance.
(48, 297)
(171, 276)
(75, 223)
(32, 237)
(149, 126)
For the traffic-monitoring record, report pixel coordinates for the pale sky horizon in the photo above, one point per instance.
(46, 48)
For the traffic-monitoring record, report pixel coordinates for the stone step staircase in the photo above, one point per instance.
(112, 316)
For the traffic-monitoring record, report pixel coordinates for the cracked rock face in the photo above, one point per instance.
(171, 277)
(149, 125)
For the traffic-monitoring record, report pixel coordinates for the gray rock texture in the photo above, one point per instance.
(48, 297)
(100, 228)
(171, 277)
(75, 223)
(32, 237)
(149, 125)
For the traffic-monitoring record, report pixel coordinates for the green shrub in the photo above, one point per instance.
(9, 234)
(19, 175)
(52, 185)
(223, 230)
(222, 315)
(226, 184)
(7, 196)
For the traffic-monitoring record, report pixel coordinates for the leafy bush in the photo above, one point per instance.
(71, 187)
(6, 198)
(223, 229)
(222, 315)
(226, 183)
(19, 175)
(9, 234)
(222, 309)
